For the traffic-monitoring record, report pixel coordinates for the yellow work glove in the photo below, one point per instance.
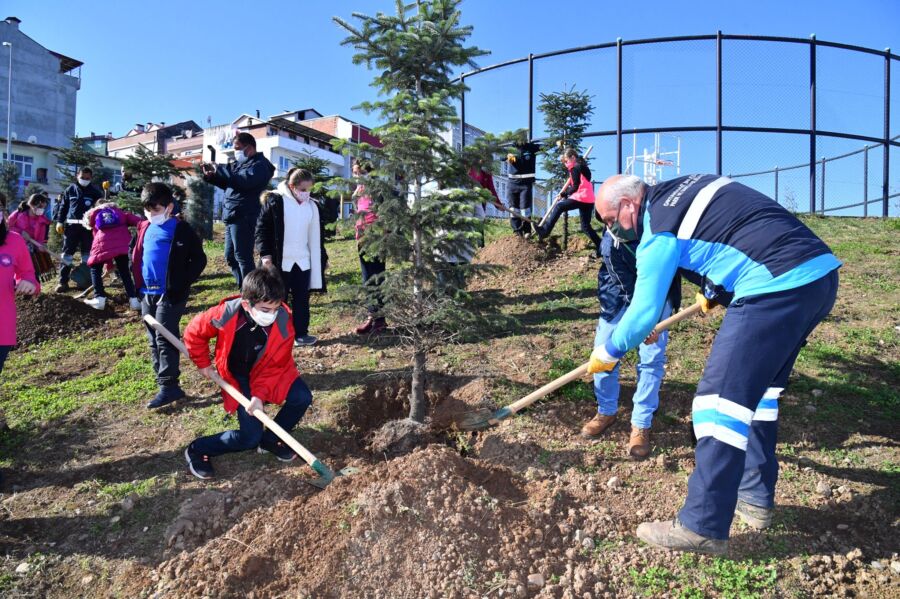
(510, 157)
(601, 361)
(105, 185)
(706, 304)
(60, 228)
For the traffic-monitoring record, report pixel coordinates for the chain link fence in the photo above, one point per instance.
(805, 121)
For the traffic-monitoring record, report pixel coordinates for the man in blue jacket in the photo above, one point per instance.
(784, 282)
(615, 288)
(78, 198)
(243, 181)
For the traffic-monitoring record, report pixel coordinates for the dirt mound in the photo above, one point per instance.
(430, 524)
(52, 315)
(526, 263)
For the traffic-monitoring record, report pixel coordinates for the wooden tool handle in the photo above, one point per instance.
(548, 389)
(687, 312)
(270, 424)
(582, 370)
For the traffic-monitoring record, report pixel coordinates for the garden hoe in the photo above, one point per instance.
(326, 475)
(482, 419)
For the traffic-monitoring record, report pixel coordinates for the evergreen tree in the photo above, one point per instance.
(142, 167)
(70, 160)
(198, 209)
(414, 53)
(565, 121)
(9, 184)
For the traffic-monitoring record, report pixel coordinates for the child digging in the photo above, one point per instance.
(254, 337)
(111, 240)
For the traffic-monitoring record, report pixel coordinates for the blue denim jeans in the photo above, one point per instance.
(250, 434)
(650, 371)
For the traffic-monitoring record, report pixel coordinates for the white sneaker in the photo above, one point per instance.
(98, 303)
(134, 303)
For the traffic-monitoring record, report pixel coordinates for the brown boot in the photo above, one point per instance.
(597, 425)
(639, 443)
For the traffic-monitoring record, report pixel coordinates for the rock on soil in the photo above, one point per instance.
(53, 315)
(399, 437)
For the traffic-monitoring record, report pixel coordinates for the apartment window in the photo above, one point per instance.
(285, 163)
(24, 164)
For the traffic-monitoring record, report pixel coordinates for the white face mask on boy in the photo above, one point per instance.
(263, 319)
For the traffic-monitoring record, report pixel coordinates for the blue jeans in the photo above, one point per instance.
(124, 271)
(250, 434)
(239, 248)
(735, 410)
(650, 371)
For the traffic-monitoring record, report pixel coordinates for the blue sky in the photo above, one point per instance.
(171, 61)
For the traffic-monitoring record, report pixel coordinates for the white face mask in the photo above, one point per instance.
(301, 195)
(84, 182)
(156, 219)
(38, 211)
(239, 156)
(263, 319)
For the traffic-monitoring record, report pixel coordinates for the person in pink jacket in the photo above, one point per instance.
(16, 276)
(112, 239)
(30, 222)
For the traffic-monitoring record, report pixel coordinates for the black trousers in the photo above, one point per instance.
(296, 284)
(585, 213)
(75, 239)
(519, 196)
(371, 268)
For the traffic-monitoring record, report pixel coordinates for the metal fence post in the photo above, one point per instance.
(886, 171)
(530, 96)
(719, 103)
(619, 105)
(812, 124)
(462, 113)
(822, 201)
(865, 181)
(776, 183)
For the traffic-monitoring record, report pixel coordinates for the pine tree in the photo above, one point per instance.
(142, 167)
(414, 53)
(70, 160)
(9, 184)
(565, 121)
(198, 209)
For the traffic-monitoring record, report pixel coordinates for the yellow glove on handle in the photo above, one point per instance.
(706, 304)
(510, 157)
(105, 185)
(60, 228)
(601, 361)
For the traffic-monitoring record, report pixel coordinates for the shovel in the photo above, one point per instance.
(559, 197)
(485, 418)
(326, 475)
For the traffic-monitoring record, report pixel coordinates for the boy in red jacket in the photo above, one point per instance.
(254, 338)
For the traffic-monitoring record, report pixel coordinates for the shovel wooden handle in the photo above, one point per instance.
(582, 370)
(270, 424)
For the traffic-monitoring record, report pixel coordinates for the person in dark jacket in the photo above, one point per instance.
(576, 194)
(243, 181)
(77, 199)
(289, 239)
(615, 288)
(521, 179)
(167, 259)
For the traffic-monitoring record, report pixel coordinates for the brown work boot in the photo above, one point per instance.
(673, 535)
(639, 443)
(597, 425)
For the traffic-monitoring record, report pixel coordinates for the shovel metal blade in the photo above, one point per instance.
(481, 419)
(323, 481)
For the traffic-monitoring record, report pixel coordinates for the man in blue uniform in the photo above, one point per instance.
(783, 281)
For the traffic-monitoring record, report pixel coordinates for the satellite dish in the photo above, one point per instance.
(14, 136)
(32, 139)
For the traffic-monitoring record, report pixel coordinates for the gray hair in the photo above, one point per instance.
(625, 186)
